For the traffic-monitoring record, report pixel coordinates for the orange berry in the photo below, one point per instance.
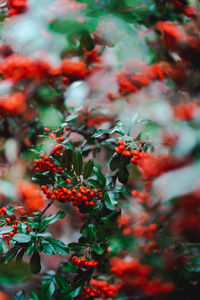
(134, 193)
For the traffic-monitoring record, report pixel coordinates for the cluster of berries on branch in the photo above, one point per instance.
(102, 289)
(11, 222)
(76, 196)
(83, 263)
(44, 164)
(134, 154)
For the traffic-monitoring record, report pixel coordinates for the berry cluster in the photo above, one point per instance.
(56, 149)
(3, 211)
(134, 155)
(102, 289)
(133, 81)
(134, 275)
(91, 293)
(107, 290)
(17, 7)
(43, 164)
(78, 196)
(142, 196)
(121, 149)
(83, 263)
(138, 230)
(12, 222)
(15, 103)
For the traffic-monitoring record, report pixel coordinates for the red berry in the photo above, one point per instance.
(46, 130)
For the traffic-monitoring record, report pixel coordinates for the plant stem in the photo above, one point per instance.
(45, 209)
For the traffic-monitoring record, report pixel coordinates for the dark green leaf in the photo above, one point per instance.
(69, 267)
(76, 291)
(114, 163)
(88, 169)
(30, 249)
(50, 219)
(67, 158)
(110, 201)
(95, 183)
(76, 246)
(98, 249)
(33, 296)
(90, 233)
(123, 175)
(78, 162)
(7, 257)
(47, 248)
(101, 177)
(109, 224)
(61, 282)
(20, 256)
(48, 287)
(35, 263)
(59, 246)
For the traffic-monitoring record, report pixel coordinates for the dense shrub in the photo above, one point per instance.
(100, 140)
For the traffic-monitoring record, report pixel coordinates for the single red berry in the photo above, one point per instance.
(46, 130)
(134, 193)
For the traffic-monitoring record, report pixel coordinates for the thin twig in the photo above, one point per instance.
(45, 209)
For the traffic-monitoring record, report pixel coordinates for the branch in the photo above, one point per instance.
(45, 209)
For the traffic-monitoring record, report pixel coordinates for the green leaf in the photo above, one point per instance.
(47, 248)
(20, 296)
(43, 178)
(68, 158)
(88, 169)
(95, 183)
(61, 282)
(114, 163)
(21, 238)
(30, 249)
(109, 224)
(6, 229)
(50, 219)
(100, 176)
(7, 257)
(33, 296)
(123, 175)
(101, 233)
(78, 162)
(76, 291)
(20, 256)
(60, 247)
(76, 246)
(35, 265)
(9, 211)
(44, 234)
(22, 228)
(98, 249)
(110, 201)
(69, 267)
(48, 287)
(90, 233)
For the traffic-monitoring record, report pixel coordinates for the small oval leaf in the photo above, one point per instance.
(22, 238)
